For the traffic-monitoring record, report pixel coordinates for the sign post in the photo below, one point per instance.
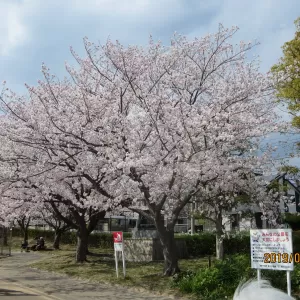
(258, 275)
(289, 285)
(119, 247)
(272, 249)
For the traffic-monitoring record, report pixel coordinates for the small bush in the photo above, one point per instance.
(221, 280)
(199, 245)
(217, 282)
(293, 220)
(100, 240)
(204, 244)
(237, 243)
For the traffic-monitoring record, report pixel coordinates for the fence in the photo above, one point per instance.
(111, 224)
(5, 241)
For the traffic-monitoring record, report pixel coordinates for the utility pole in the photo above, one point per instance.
(10, 240)
(193, 219)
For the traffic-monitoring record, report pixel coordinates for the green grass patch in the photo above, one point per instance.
(100, 268)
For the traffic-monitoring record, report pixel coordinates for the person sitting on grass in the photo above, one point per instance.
(40, 244)
(36, 246)
(24, 246)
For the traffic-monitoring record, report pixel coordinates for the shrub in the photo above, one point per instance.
(32, 233)
(199, 244)
(100, 240)
(221, 280)
(237, 243)
(293, 220)
(203, 244)
(296, 241)
(217, 282)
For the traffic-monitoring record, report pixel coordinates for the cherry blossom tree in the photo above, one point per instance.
(189, 107)
(40, 160)
(148, 128)
(246, 192)
(48, 216)
(17, 212)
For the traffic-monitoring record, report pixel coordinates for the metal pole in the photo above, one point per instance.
(2, 241)
(76, 246)
(258, 275)
(117, 267)
(123, 258)
(10, 242)
(289, 285)
(192, 219)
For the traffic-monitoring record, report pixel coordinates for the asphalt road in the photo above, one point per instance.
(19, 281)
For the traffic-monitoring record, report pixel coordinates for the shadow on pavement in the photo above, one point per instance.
(13, 293)
(16, 270)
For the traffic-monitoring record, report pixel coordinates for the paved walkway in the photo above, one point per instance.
(18, 281)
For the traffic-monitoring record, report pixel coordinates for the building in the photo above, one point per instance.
(292, 191)
(233, 221)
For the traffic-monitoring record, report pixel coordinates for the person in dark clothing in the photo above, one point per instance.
(37, 245)
(24, 246)
(40, 244)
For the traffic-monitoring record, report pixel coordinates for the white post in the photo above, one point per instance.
(2, 241)
(193, 219)
(258, 275)
(264, 224)
(117, 267)
(124, 267)
(10, 242)
(289, 285)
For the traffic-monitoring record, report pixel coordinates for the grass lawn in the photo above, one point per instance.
(101, 268)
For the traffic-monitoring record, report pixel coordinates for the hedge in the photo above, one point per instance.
(198, 245)
(205, 243)
(293, 221)
(100, 240)
(221, 280)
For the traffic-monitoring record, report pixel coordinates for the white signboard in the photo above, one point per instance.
(119, 247)
(272, 249)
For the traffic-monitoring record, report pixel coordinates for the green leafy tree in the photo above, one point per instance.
(287, 75)
(291, 170)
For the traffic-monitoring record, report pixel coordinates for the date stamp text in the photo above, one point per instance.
(286, 258)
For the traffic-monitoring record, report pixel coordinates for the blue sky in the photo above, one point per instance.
(36, 31)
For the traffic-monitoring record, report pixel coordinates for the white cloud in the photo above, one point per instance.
(33, 31)
(12, 30)
(268, 21)
(133, 7)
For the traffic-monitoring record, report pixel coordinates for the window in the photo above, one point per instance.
(181, 221)
(235, 221)
(258, 220)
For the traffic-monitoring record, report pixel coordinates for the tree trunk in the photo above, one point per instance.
(94, 219)
(24, 224)
(166, 236)
(5, 236)
(87, 245)
(57, 238)
(219, 246)
(219, 239)
(25, 234)
(82, 242)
